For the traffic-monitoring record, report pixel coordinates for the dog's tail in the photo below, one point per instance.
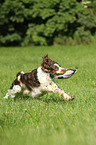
(19, 75)
(17, 80)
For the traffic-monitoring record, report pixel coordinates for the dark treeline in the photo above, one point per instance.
(47, 22)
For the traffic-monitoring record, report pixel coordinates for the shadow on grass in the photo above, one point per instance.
(48, 98)
(2, 123)
(53, 98)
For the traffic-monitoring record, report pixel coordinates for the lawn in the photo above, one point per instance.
(49, 120)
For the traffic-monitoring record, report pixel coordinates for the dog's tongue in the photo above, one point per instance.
(67, 74)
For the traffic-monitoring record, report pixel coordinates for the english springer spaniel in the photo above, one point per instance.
(40, 80)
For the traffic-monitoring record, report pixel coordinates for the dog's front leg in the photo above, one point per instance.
(65, 96)
(55, 89)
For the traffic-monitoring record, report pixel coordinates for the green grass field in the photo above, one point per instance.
(49, 120)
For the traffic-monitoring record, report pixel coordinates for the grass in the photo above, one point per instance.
(49, 119)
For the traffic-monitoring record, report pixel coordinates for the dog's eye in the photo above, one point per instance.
(56, 67)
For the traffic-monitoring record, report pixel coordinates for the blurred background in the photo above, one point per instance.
(47, 22)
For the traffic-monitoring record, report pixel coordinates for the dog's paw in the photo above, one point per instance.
(5, 97)
(70, 99)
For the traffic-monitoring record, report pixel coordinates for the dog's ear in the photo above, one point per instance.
(45, 57)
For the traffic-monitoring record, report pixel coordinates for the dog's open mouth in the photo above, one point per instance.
(67, 74)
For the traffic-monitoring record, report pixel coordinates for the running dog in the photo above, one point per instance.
(40, 80)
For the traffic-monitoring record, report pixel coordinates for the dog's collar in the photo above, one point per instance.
(52, 76)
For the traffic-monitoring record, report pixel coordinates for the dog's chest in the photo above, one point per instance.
(43, 77)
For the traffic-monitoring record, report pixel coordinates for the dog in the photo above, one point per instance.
(40, 80)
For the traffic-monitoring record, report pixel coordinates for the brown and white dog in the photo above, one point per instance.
(40, 80)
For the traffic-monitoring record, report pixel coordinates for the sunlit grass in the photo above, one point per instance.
(49, 119)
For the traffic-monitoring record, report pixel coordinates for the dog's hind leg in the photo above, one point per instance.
(15, 91)
(9, 93)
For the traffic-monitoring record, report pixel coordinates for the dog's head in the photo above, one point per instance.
(52, 67)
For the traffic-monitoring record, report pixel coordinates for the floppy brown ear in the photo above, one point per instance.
(45, 57)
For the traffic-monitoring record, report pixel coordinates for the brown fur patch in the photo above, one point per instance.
(30, 79)
(48, 65)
